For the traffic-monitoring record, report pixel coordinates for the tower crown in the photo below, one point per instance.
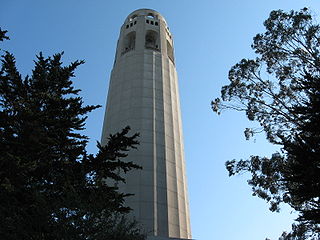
(146, 13)
(145, 30)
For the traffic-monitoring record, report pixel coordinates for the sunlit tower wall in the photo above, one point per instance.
(143, 93)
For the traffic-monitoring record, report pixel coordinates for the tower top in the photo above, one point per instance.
(148, 13)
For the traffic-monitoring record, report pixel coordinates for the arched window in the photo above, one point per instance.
(133, 17)
(151, 15)
(170, 51)
(152, 40)
(129, 42)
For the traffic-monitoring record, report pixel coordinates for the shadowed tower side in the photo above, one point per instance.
(143, 93)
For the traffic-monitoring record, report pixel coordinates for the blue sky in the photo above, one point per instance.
(210, 36)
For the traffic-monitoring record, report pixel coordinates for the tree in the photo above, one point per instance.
(50, 187)
(280, 89)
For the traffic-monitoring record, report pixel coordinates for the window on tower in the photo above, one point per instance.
(151, 15)
(170, 51)
(129, 42)
(152, 40)
(133, 17)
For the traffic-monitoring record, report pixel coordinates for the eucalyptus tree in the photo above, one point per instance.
(280, 89)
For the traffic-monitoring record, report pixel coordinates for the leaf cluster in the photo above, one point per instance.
(3, 35)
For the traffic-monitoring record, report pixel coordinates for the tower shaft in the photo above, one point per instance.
(143, 93)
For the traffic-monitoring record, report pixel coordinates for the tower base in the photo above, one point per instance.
(164, 238)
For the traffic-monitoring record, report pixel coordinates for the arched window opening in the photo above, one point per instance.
(151, 15)
(152, 40)
(129, 42)
(170, 51)
(133, 17)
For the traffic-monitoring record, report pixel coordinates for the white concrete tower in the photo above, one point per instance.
(143, 93)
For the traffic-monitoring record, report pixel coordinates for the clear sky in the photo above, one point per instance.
(210, 36)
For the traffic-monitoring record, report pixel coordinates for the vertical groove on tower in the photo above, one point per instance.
(155, 172)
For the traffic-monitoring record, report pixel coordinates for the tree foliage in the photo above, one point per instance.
(50, 188)
(280, 89)
(3, 35)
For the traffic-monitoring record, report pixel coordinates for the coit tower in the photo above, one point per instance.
(143, 93)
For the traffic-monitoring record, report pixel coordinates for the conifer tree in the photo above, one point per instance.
(50, 187)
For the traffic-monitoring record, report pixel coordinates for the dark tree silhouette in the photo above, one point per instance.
(3, 35)
(281, 90)
(50, 188)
